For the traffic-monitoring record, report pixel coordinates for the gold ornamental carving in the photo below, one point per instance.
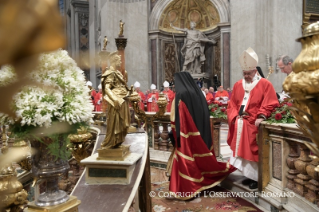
(303, 86)
(161, 103)
(181, 12)
(120, 43)
(135, 99)
(12, 194)
(80, 144)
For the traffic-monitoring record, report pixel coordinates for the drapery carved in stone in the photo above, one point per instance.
(169, 61)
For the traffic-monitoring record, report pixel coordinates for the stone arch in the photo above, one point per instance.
(221, 6)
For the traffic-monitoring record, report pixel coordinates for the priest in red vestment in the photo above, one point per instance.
(209, 97)
(152, 99)
(222, 95)
(193, 167)
(137, 87)
(98, 99)
(170, 95)
(92, 92)
(253, 99)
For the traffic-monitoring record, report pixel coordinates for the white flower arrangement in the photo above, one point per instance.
(63, 97)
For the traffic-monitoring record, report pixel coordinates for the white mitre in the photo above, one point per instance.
(137, 84)
(153, 86)
(248, 60)
(99, 87)
(166, 84)
(89, 83)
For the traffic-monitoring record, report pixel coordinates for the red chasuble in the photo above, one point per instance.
(98, 96)
(93, 93)
(262, 100)
(170, 97)
(142, 96)
(195, 167)
(209, 98)
(152, 106)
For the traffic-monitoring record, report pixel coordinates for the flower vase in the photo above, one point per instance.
(48, 167)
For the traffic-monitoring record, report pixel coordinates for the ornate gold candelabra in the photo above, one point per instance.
(303, 86)
(12, 194)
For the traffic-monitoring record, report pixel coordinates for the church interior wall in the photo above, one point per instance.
(269, 27)
(135, 16)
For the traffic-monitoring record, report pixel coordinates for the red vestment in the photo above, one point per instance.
(142, 96)
(261, 101)
(98, 101)
(170, 95)
(93, 93)
(152, 102)
(209, 98)
(221, 93)
(195, 167)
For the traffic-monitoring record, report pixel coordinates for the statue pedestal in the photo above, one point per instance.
(114, 154)
(110, 171)
(69, 206)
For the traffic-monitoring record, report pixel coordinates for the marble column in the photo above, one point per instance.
(121, 44)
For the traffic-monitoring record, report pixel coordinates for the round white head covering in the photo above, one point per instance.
(248, 60)
(166, 84)
(137, 84)
(153, 86)
(89, 83)
(99, 87)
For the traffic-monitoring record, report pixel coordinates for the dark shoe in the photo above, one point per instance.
(253, 185)
(246, 181)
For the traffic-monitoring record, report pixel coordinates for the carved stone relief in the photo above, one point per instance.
(169, 61)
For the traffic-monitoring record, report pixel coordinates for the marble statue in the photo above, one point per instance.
(115, 91)
(193, 49)
(104, 43)
(121, 28)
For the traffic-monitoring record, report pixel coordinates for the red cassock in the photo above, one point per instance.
(152, 106)
(98, 105)
(209, 98)
(170, 97)
(142, 96)
(261, 101)
(93, 93)
(195, 167)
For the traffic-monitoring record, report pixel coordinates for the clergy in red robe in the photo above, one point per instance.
(152, 99)
(170, 95)
(222, 95)
(193, 167)
(137, 87)
(252, 101)
(209, 97)
(92, 92)
(98, 99)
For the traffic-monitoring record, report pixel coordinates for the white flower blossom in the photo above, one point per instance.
(64, 96)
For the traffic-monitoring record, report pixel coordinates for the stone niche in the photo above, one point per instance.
(166, 43)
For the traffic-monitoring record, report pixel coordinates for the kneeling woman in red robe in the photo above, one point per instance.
(193, 166)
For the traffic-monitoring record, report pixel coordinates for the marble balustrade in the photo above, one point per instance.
(286, 164)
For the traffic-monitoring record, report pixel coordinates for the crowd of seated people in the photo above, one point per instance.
(150, 97)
